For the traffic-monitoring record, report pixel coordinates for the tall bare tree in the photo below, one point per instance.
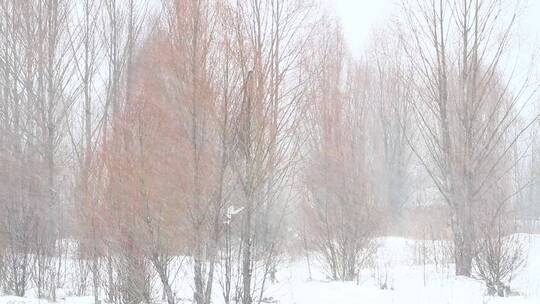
(269, 37)
(389, 93)
(465, 111)
(340, 210)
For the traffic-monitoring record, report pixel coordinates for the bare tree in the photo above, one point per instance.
(341, 206)
(268, 37)
(389, 93)
(464, 108)
(191, 29)
(500, 253)
(40, 98)
(84, 44)
(18, 152)
(122, 26)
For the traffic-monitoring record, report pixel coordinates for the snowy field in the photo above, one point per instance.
(408, 282)
(398, 266)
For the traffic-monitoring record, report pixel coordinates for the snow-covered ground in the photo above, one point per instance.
(408, 282)
(407, 278)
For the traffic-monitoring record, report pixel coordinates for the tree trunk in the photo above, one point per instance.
(246, 258)
(95, 277)
(198, 296)
(463, 248)
(164, 278)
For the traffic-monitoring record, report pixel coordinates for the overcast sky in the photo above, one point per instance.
(359, 16)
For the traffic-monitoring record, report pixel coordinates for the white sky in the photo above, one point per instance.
(359, 16)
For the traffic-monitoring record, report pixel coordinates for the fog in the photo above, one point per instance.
(269, 151)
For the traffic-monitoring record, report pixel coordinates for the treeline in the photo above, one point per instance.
(140, 140)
